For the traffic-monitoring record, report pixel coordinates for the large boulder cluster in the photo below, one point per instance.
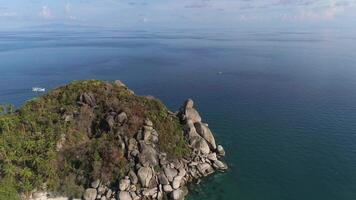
(152, 175)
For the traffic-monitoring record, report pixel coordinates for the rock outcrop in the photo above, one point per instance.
(170, 181)
(149, 172)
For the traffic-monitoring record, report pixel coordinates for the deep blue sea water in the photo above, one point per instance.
(282, 103)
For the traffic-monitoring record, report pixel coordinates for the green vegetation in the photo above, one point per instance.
(7, 189)
(55, 140)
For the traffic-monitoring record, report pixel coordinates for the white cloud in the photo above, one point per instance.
(45, 13)
(197, 5)
(73, 18)
(328, 12)
(8, 14)
(67, 7)
(68, 11)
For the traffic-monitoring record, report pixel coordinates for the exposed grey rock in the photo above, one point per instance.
(90, 194)
(160, 193)
(133, 188)
(124, 184)
(150, 192)
(154, 181)
(133, 177)
(193, 115)
(148, 128)
(88, 98)
(163, 179)
(148, 154)
(122, 117)
(167, 188)
(205, 169)
(189, 103)
(176, 163)
(134, 153)
(170, 173)
(205, 132)
(132, 144)
(154, 132)
(154, 138)
(134, 196)
(177, 181)
(201, 145)
(147, 135)
(145, 174)
(119, 83)
(187, 112)
(68, 118)
(163, 159)
(108, 193)
(178, 194)
(123, 195)
(38, 195)
(122, 145)
(194, 172)
(139, 135)
(182, 172)
(212, 156)
(219, 165)
(192, 132)
(95, 184)
(110, 121)
(148, 122)
(220, 150)
(101, 189)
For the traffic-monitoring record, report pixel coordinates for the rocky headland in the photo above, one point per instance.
(98, 140)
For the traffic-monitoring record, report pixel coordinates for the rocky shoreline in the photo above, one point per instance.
(151, 174)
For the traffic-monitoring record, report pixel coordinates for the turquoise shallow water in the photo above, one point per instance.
(283, 104)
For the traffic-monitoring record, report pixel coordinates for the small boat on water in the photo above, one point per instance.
(38, 89)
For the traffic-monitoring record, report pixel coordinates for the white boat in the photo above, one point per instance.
(38, 89)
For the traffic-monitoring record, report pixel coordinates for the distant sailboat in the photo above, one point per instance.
(38, 89)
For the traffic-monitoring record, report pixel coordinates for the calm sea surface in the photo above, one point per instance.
(282, 103)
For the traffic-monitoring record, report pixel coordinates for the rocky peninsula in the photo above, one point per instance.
(98, 140)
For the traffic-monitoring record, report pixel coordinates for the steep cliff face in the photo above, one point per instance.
(98, 140)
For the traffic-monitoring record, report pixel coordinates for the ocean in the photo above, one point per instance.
(282, 103)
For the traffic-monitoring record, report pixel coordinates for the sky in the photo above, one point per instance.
(179, 13)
